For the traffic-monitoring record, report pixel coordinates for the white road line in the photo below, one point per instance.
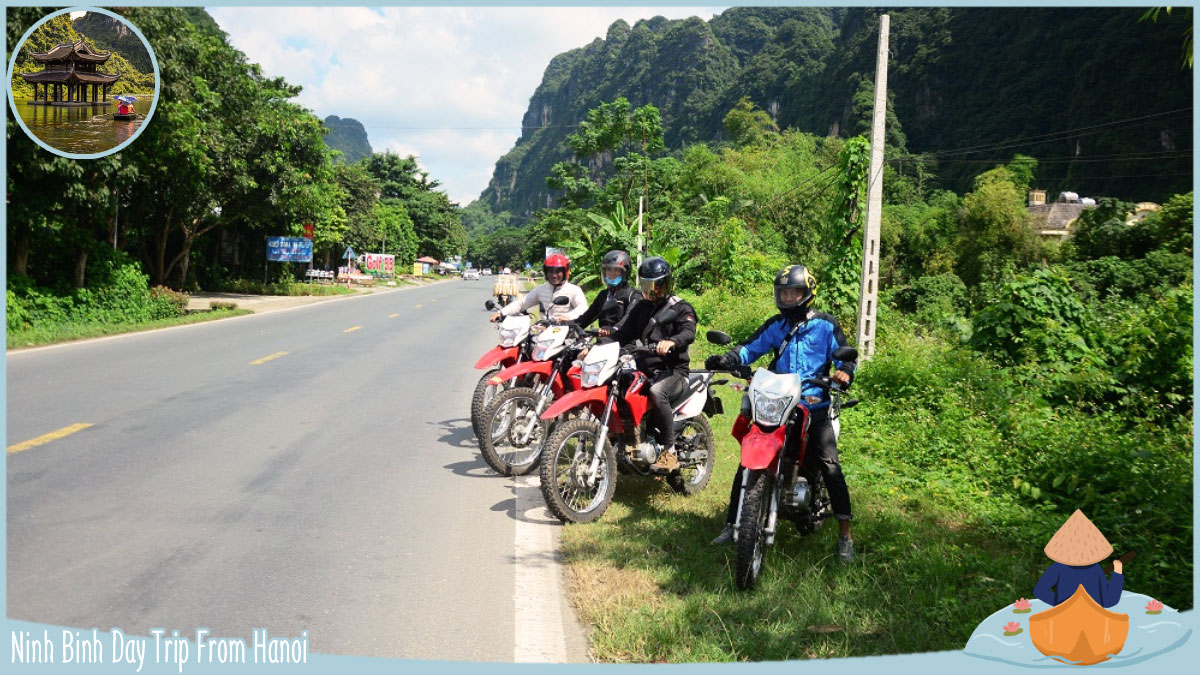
(538, 635)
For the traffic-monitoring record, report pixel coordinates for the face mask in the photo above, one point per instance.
(613, 282)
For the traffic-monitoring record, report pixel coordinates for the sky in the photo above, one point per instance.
(446, 84)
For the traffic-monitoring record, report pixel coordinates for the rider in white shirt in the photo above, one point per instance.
(557, 269)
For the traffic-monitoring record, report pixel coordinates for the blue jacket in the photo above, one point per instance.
(1065, 580)
(808, 353)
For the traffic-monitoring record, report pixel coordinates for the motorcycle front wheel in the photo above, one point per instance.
(572, 492)
(513, 435)
(483, 395)
(752, 535)
(694, 444)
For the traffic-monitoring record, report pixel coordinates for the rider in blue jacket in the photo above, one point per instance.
(803, 341)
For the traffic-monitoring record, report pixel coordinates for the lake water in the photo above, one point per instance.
(83, 130)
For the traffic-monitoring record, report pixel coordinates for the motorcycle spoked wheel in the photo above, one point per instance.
(483, 395)
(485, 392)
(510, 444)
(567, 456)
(694, 443)
(752, 536)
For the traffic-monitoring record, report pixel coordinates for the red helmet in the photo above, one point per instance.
(557, 261)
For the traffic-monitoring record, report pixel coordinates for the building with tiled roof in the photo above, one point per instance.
(70, 70)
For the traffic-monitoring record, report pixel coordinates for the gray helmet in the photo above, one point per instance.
(617, 260)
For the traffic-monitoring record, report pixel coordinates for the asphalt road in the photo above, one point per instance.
(334, 488)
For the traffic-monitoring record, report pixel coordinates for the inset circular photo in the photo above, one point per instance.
(83, 82)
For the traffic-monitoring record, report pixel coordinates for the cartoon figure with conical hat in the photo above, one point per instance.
(1077, 550)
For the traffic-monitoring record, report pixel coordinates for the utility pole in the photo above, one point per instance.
(868, 298)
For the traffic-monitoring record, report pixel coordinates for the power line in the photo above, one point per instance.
(1057, 135)
(1127, 157)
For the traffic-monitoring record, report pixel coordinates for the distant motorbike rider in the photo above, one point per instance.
(671, 322)
(557, 269)
(803, 341)
(614, 302)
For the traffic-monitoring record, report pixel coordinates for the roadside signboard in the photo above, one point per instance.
(378, 264)
(289, 249)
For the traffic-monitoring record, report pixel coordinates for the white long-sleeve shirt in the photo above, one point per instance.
(544, 295)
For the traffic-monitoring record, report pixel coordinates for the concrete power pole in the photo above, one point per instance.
(868, 298)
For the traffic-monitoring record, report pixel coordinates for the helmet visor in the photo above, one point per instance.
(654, 289)
(613, 271)
(790, 297)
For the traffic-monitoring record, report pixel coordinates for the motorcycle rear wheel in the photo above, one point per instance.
(692, 437)
(502, 419)
(752, 536)
(567, 455)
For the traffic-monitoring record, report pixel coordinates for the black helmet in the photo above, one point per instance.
(618, 260)
(654, 279)
(801, 289)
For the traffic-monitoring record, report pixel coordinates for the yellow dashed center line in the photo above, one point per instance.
(351, 329)
(434, 300)
(46, 438)
(259, 362)
(417, 307)
(392, 316)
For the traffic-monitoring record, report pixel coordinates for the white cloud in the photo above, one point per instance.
(447, 84)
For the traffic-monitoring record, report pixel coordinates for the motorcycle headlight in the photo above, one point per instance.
(770, 409)
(539, 352)
(508, 337)
(591, 373)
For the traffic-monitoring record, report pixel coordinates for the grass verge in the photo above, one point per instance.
(36, 337)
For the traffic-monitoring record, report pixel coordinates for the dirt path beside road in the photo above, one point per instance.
(268, 303)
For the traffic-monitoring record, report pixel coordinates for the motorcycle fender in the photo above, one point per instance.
(575, 399)
(761, 448)
(496, 355)
(542, 367)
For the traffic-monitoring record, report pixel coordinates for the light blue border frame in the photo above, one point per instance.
(12, 64)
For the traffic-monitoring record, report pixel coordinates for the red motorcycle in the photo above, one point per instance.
(774, 480)
(514, 347)
(513, 431)
(583, 456)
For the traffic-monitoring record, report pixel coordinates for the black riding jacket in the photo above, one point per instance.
(610, 306)
(643, 323)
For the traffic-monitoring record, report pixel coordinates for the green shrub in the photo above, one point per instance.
(166, 303)
(1035, 318)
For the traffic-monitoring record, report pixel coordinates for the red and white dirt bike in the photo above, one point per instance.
(583, 456)
(513, 431)
(775, 482)
(514, 346)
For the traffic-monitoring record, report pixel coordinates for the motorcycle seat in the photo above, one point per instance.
(694, 380)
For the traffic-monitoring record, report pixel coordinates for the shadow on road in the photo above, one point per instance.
(458, 433)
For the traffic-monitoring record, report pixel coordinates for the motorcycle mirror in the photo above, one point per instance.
(845, 354)
(562, 300)
(849, 404)
(490, 305)
(718, 338)
(667, 316)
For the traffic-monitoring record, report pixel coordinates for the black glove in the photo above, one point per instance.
(727, 361)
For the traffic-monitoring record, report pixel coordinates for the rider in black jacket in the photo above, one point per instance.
(613, 303)
(671, 322)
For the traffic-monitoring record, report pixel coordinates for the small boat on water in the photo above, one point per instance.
(127, 116)
(1079, 631)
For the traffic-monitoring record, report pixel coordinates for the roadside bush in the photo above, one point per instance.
(166, 303)
(1035, 318)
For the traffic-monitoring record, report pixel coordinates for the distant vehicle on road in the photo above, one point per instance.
(487, 271)
(470, 274)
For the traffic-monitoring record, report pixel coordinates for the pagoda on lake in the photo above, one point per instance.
(70, 71)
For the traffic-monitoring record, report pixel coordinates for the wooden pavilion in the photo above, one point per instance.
(70, 72)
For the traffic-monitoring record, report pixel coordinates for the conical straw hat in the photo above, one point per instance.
(1078, 542)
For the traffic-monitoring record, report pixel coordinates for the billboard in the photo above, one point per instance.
(378, 264)
(289, 249)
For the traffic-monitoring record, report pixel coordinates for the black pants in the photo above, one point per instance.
(822, 456)
(667, 385)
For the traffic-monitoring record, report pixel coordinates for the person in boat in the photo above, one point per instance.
(123, 108)
(1077, 550)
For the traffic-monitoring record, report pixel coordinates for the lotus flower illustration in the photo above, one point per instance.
(1154, 607)
(1021, 607)
(1012, 628)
